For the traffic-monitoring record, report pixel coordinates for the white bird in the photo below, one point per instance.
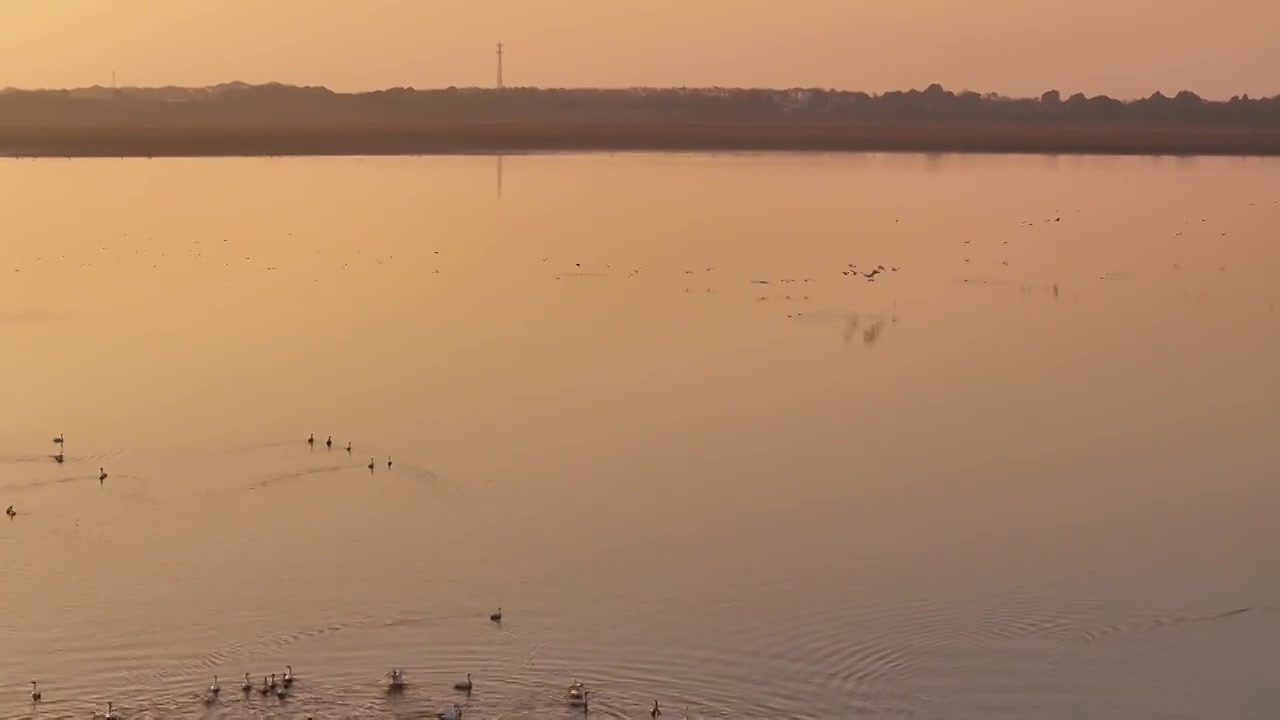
(35, 692)
(215, 688)
(451, 713)
(463, 684)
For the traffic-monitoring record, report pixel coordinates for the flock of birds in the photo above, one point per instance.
(576, 694)
(60, 457)
(311, 441)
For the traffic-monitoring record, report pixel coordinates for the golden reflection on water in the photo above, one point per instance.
(638, 401)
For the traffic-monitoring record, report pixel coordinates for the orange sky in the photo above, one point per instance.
(1124, 48)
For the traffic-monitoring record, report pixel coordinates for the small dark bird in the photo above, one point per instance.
(370, 464)
(312, 440)
(59, 458)
(656, 711)
(388, 462)
(329, 443)
(348, 447)
(35, 692)
(58, 439)
(10, 511)
(102, 474)
(496, 617)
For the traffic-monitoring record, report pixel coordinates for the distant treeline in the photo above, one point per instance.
(276, 104)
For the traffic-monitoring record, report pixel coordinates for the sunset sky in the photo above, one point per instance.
(1124, 48)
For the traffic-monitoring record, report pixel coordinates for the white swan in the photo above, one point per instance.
(215, 688)
(451, 713)
(463, 684)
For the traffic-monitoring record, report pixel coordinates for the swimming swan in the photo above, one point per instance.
(463, 684)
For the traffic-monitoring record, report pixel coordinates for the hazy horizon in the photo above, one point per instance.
(1121, 48)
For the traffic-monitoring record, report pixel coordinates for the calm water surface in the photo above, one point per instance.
(637, 402)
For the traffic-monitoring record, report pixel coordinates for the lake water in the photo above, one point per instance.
(636, 401)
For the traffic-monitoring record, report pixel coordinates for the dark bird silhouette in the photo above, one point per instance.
(312, 440)
(497, 616)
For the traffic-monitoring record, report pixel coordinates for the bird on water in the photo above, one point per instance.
(35, 692)
(329, 443)
(371, 464)
(497, 616)
(59, 440)
(312, 440)
(388, 462)
(464, 684)
(656, 711)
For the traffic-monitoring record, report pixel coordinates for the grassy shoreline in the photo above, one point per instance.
(373, 138)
